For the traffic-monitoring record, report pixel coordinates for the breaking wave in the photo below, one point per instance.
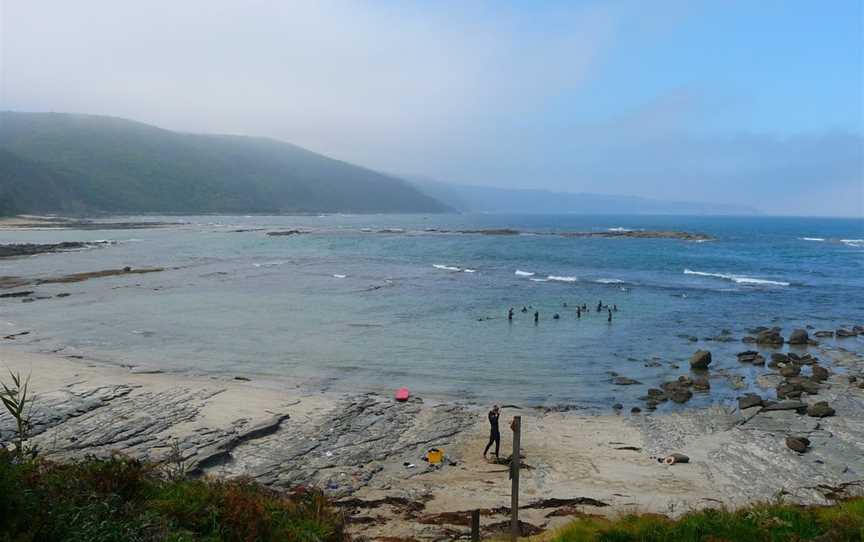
(524, 273)
(738, 279)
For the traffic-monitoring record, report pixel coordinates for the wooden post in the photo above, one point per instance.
(515, 462)
(475, 526)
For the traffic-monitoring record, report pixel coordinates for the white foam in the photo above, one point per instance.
(620, 229)
(269, 264)
(738, 279)
(857, 243)
(524, 273)
(470, 270)
(446, 267)
(609, 281)
(539, 280)
(811, 238)
(557, 278)
(340, 276)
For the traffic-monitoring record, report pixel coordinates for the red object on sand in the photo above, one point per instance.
(402, 394)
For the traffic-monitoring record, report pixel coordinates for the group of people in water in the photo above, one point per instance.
(580, 310)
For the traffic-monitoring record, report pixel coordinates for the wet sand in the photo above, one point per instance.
(367, 450)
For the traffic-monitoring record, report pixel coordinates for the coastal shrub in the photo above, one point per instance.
(121, 499)
(842, 522)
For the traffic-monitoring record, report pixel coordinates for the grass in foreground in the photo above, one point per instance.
(842, 522)
(119, 499)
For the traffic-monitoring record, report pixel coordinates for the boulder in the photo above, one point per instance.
(802, 383)
(770, 337)
(820, 410)
(824, 334)
(820, 374)
(799, 337)
(790, 370)
(635, 410)
(681, 395)
(748, 401)
(701, 359)
(779, 357)
(844, 333)
(624, 381)
(747, 356)
(748, 339)
(797, 444)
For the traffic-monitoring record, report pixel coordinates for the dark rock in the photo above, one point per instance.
(779, 357)
(820, 410)
(770, 337)
(824, 334)
(64, 294)
(685, 380)
(820, 374)
(701, 359)
(701, 384)
(656, 393)
(845, 333)
(16, 294)
(797, 406)
(802, 383)
(681, 395)
(624, 381)
(798, 336)
(790, 370)
(797, 444)
(617, 406)
(747, 356)
(242, 378)
(635, 410)
(748, 401)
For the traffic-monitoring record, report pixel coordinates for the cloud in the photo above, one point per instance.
(470, 92)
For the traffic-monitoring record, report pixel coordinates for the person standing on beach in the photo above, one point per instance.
(494, 432)
(599, 306)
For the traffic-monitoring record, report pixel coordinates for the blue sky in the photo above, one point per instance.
(760, 102)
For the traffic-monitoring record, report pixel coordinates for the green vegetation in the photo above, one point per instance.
(119, 499)
(84, 164)
(842, 522)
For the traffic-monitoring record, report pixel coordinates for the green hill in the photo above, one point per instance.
(79, 163)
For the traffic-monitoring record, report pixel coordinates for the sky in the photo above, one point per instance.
(727, 101)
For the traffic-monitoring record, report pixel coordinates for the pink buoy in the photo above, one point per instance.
(402, 394)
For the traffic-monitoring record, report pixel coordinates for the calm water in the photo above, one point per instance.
(345, 308)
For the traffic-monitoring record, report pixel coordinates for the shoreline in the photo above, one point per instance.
(356, 446)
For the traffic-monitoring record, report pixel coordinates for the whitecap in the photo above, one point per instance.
(620, 229)
(446, 267)
(609, 281)
(539, 280)
(857, 243)
(269, 264)
(557, 278)
(811, 238)
(738, 279)
(340, 276)
(524, 273)
(469, 270)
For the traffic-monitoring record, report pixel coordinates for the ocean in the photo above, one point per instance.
(376, 302)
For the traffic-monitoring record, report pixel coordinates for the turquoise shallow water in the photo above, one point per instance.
(346, 307)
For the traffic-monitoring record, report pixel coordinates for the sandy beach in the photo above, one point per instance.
(368, 450)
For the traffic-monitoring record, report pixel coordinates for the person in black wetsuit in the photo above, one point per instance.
(494, 432)
(510, 314)
(536, 316)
